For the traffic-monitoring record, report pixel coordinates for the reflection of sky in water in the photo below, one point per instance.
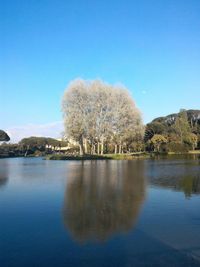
(53, 211)
(173, 220)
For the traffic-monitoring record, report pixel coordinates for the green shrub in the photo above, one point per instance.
(177, 147)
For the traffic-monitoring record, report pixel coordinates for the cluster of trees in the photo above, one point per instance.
(101, 118)
(32, 145)
(47, 145)
(176, 132)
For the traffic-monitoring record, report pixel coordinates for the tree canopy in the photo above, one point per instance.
(4, 136)
(181, 131)
(96, 113)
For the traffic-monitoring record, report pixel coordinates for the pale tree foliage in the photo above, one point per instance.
(96, 113)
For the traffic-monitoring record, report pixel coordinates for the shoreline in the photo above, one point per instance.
(98, 157)
(130, 156)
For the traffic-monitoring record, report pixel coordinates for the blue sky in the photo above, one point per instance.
(151, 46)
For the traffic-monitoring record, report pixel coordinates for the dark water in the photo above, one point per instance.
(100, 213)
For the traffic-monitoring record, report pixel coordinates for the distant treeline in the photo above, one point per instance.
(100, 118)
(36, 146)
(178, 132)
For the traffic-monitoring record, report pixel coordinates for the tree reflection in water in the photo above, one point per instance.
(103, 198)
(179, 175)
(3, 173)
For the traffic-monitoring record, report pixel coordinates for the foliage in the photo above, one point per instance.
(4, 136)
(154, 128)
(193, 140)
(181, 130)
(10, 150)
(104, 119)
(177, 147)
(98, 114)
(157, 140)
(40, 142)
(181, 127)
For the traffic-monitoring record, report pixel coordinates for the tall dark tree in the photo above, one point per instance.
(4, 136)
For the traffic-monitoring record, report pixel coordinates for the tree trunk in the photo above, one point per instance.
(26, 151)
(120, 148)
(115, 149)
(82, 152)
(85, 145)
(102, 147)
(98, 148)
(93, 149)
(158, 147)
(193, 146)
(181, 135)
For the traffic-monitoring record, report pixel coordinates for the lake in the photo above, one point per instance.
(100, 213)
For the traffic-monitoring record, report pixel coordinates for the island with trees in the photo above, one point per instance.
(103, 121)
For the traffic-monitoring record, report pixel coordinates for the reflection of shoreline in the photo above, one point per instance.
(103, 198)
(177, 176)
(3, 173)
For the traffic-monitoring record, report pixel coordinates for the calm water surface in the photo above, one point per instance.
(100, 213)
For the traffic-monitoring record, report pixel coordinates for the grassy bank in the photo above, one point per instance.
(194, 152)
(98, 157)
(183, 153)
(131, 156)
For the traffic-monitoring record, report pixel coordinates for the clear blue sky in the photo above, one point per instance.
(151, 46)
